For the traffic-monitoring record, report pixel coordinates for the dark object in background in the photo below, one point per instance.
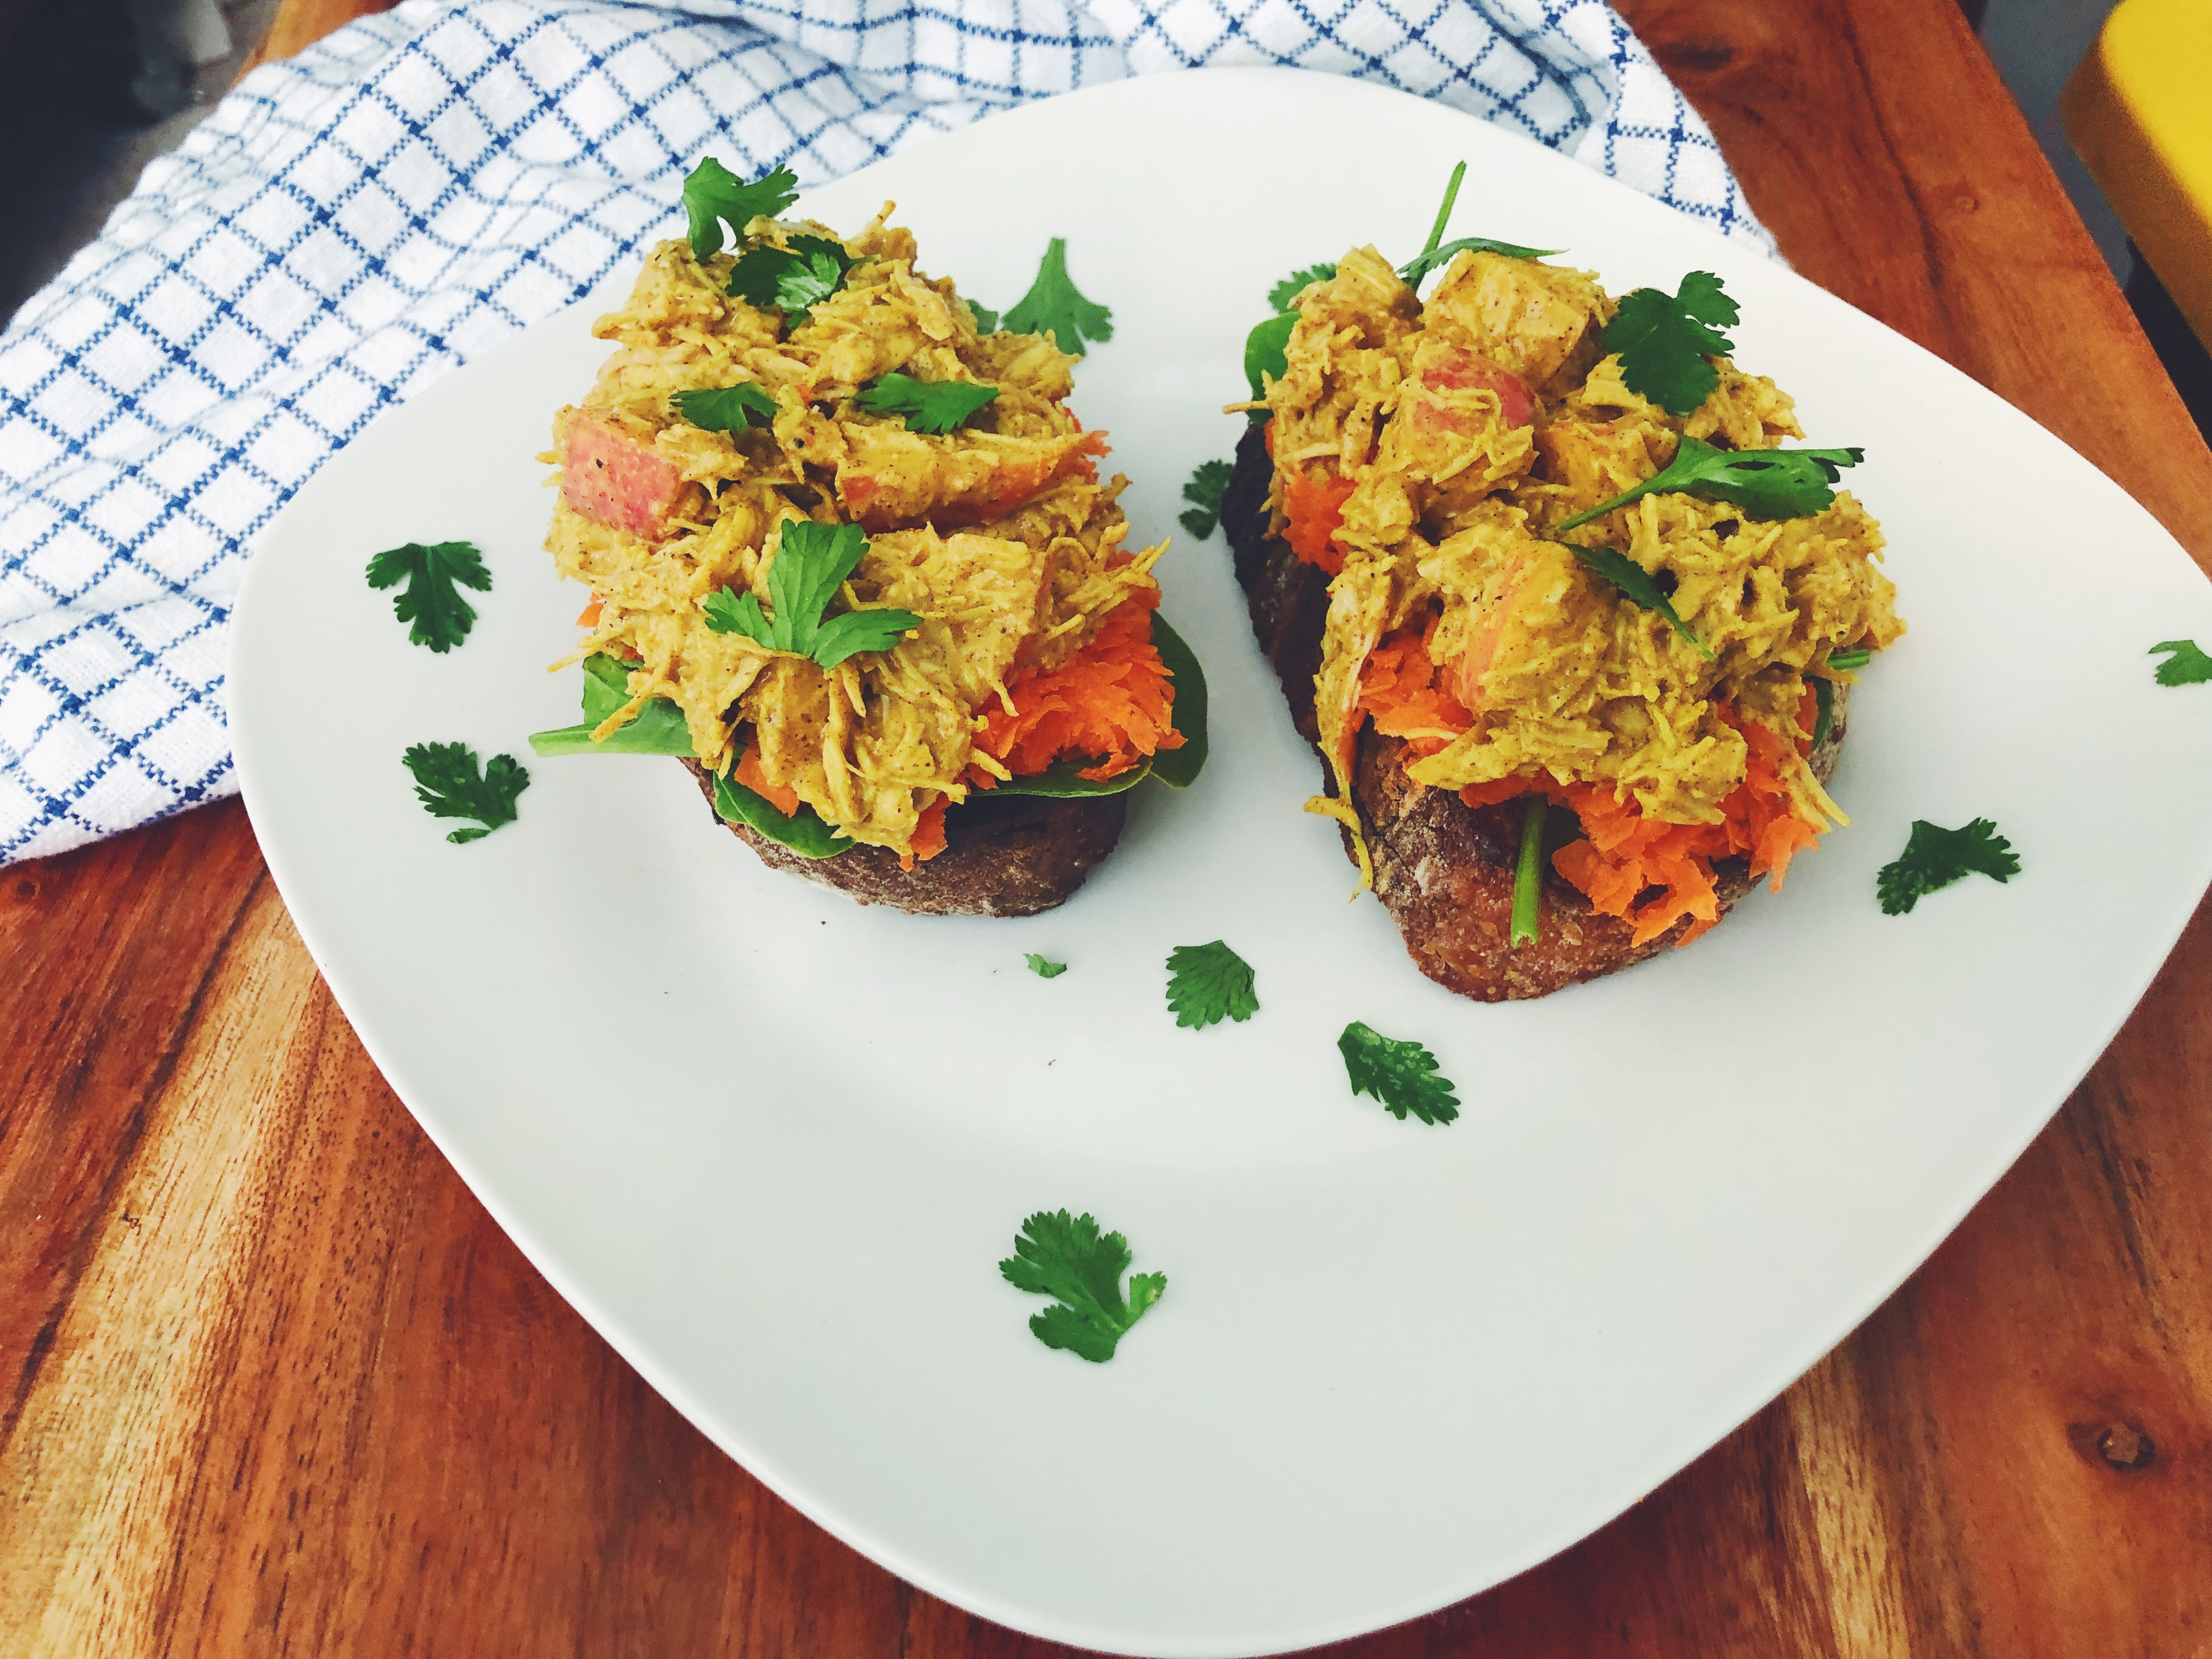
(2187, 362)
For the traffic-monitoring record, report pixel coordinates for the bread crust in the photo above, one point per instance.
(1005, 855)
(1443, 870)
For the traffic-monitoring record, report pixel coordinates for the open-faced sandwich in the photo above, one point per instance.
(1571, 629)
(849, 556)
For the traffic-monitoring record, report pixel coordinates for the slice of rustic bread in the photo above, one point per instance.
(1443, 870)
(1005, 855)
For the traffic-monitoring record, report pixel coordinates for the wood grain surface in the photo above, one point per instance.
(274, 1383)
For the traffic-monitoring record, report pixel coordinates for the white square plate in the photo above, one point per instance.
(773, 1144)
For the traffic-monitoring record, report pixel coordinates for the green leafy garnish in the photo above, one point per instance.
(1857, 657)
(1204, 492)
(714, 196)
(1178, 768)
(1064, 780)
(1065, 1257)
(933, 406)
(451, 785)
(1042, 968)
(1053, 306)
(987, 321)
(658, 728)
(1265, 353)
(1824, 718)
(726, 409)
(1664, 338)
(2187, 665)
(436, 615)
(803, 832)
(1635, 583)
(1767, 483)
(1284, 297)
(1935, 857)
(1414, 270)
(811, 562)
(1401, 1075)
(1209, 983)
(793, 279)
(1528, 879)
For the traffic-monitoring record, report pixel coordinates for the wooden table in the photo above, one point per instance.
(275, 1384)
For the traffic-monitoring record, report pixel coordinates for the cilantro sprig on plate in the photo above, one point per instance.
(1767, 483)
(811, 562)
(1284, 297)
(451, 785)
(1043, 968)
(936, 407)
(1664, 338)
(1056, 307)
(436, 615)
(1209, 983)
(1402, 1075)
(1067, 1258)
(1935, 857)
(1208, 483)
(2185, 662)
(714, 197)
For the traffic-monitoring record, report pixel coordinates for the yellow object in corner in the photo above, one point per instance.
(2139, 111)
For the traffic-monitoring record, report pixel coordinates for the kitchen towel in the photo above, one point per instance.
(354, 222)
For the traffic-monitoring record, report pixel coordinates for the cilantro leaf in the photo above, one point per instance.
(726, 409)
(1209, 983)
(936, 407)
(1204, 492)
(1414, 270)
(2187, 665)
(1635, 584)
(804, 831)
(1053, 305)
(987, 321)
(1401, 1075)
(1664, 338)
(659, 728)
(1284, 297)
(436, 616)
(811, 562)
(1935, 857)
(793, 279)
(1066, 1258)
(1767, 483)
(1042, 968)
(714, 196)
(451, 786)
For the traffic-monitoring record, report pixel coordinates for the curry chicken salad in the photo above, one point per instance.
(1568, 566)
(850, 532)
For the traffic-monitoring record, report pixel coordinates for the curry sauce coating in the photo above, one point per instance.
(998, 535)
(1460, 476)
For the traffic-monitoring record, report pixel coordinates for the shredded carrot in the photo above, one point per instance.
(1398, 687)
(1315, 507)
(1624, 854)
(590, 616)
(1112, 701)
(928, 836)
(750, 774)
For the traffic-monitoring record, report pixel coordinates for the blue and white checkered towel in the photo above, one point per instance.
(350, 225)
